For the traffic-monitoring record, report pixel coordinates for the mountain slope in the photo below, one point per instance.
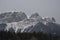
(18, 22)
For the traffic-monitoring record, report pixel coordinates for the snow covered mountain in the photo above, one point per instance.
(9, 17)
(20, 23)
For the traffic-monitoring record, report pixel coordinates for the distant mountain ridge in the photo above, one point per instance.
(19, 22)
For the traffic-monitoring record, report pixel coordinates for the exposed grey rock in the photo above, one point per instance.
(36, 17)
(3, 26)
(12, 17)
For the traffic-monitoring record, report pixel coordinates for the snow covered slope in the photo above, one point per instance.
(20, 25)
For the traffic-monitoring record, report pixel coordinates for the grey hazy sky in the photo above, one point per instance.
(43, 7)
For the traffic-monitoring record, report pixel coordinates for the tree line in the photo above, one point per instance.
(4, 35)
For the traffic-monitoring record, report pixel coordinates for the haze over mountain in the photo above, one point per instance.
(19, 22)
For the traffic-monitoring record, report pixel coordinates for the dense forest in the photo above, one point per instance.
(4, 35)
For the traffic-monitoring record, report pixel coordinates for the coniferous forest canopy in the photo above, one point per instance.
(4, 35)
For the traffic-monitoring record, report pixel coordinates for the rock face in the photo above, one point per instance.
(3, 26)
(36, 17)
(48, 19)
(12, 17)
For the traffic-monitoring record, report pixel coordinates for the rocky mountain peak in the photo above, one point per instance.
(34, 15)
(12, 17)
